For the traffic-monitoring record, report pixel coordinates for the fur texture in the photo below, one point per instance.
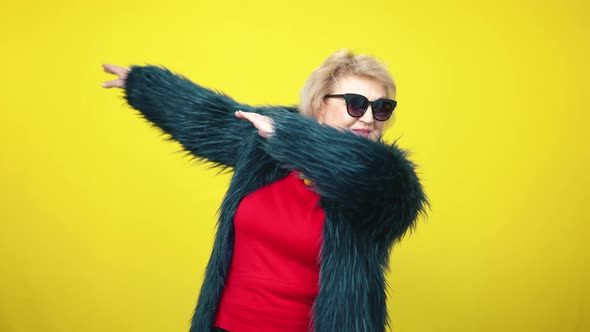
(369, 191)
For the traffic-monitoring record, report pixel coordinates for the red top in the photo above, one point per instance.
(274, 274)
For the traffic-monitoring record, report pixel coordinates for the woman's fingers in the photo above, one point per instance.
(121, 73)
(116, 70)
(255, 118)
(118, 83)
(240, 114)
(263, 123)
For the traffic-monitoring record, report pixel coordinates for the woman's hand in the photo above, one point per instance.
(264, 124)
(121, 73)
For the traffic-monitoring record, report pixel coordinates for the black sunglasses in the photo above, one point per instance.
(357, 105)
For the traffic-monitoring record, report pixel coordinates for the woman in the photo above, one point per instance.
(315, 203)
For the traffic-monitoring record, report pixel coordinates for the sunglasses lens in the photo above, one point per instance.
(382, 109)
(357, 105)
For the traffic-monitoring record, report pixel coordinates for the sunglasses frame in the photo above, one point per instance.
(348, 96)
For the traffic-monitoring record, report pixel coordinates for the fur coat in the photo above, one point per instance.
(369, 191)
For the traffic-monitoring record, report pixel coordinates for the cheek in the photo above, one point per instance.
(379, 126)
(378, 130)
(337, 117)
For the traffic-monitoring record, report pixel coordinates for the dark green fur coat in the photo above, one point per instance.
(369, 191)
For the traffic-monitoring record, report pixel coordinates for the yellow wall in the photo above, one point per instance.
(105, 227)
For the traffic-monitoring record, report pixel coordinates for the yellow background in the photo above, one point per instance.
(106, 227)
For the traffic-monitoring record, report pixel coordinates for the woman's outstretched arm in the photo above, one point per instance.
(374, 182)
(202, 120)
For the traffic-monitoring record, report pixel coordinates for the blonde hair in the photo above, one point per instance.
(336, 66)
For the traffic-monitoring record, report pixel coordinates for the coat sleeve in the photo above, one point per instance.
(200, 119)
(373, 182)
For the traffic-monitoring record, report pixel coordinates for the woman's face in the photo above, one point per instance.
(333, 111)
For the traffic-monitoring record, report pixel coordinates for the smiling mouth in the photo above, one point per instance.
(362, 132)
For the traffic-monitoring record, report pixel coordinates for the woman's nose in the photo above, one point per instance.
(368, 116)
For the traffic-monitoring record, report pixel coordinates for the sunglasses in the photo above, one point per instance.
(357, 105)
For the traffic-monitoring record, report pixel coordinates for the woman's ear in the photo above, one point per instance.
(320, 113)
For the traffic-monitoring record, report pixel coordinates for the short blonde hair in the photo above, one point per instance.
(340, 64)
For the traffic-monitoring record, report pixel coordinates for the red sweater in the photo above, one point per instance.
(274, 273)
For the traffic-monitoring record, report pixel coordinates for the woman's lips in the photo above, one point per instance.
(362, 132)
